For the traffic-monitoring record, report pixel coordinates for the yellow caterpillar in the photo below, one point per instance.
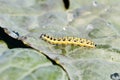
(68, 41)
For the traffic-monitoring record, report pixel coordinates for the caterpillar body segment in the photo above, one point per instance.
(68, 41)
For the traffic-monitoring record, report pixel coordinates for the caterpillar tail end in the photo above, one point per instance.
(95, 45)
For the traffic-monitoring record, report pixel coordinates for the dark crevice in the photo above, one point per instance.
(66, 4)
(11, 42)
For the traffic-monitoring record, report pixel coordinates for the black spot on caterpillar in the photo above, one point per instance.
(68, 41)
